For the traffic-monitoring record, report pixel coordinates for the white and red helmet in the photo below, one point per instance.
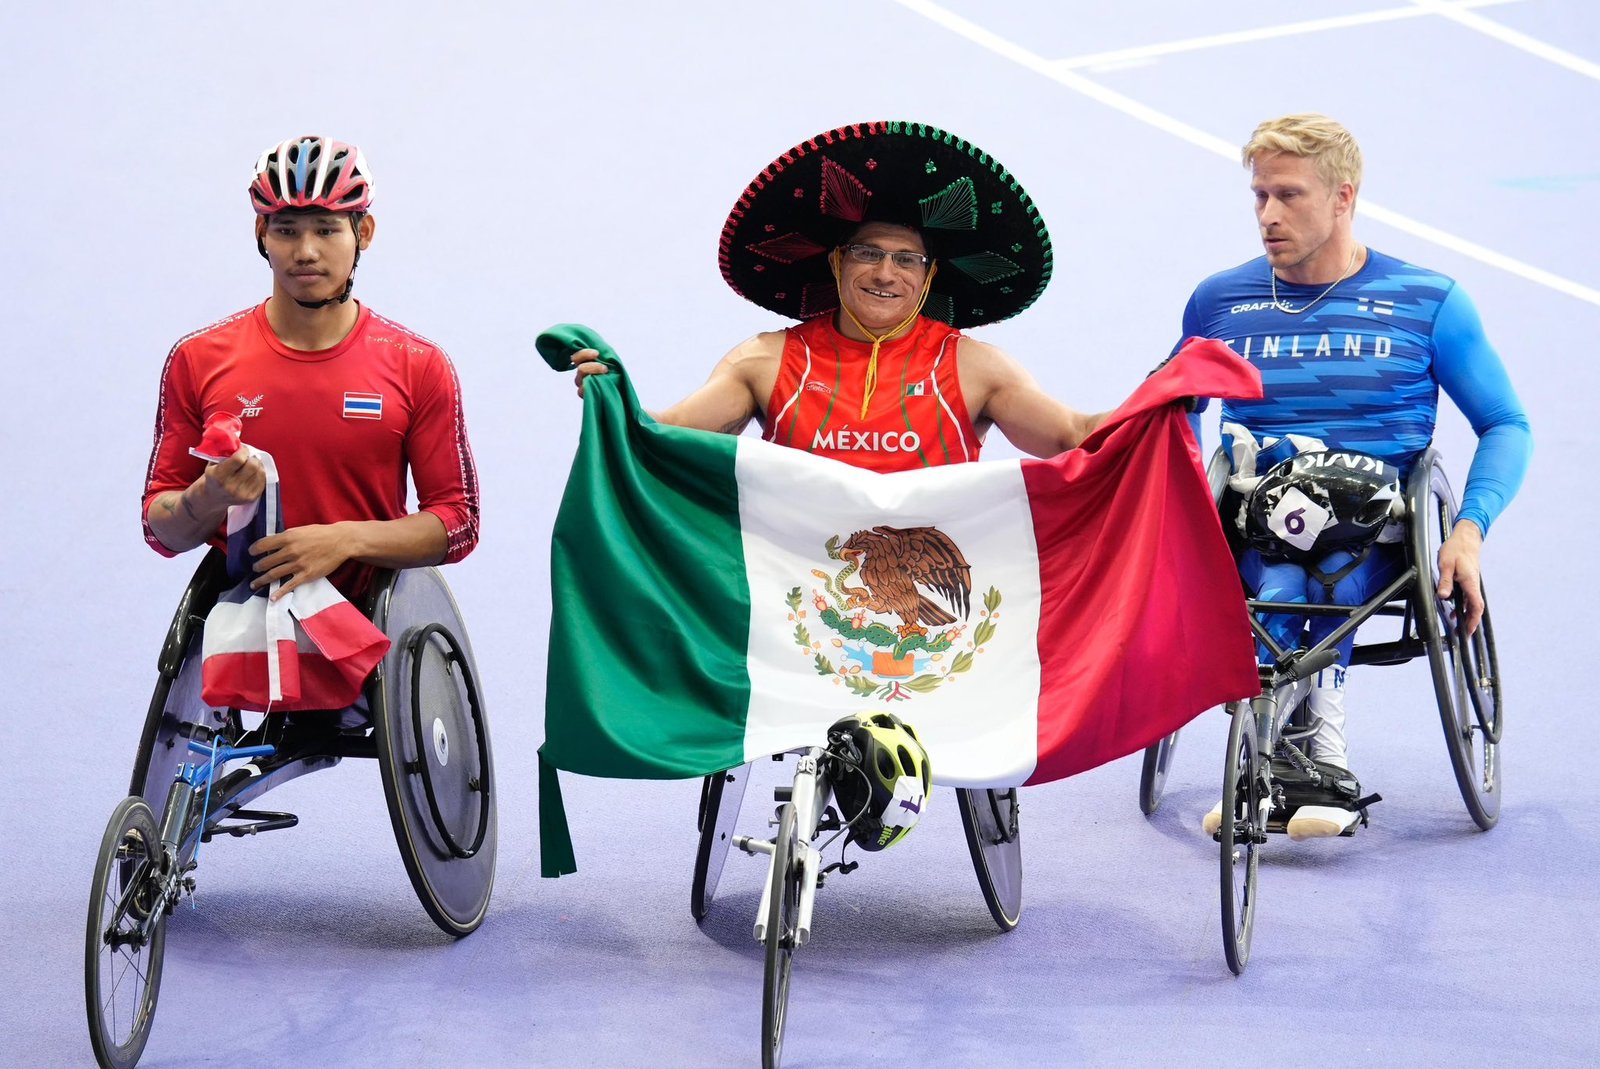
(311, 172)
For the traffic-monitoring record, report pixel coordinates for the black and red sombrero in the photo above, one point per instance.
(992, 247)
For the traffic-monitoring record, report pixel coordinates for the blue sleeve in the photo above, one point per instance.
(1472, 375)
(1192, 329)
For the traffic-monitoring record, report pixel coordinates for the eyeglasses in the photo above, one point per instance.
(871, 254)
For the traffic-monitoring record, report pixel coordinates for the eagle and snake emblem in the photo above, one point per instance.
(919, 579)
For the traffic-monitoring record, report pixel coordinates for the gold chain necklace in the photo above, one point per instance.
(1280, 306)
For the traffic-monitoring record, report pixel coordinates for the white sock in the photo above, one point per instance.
(1327, 704)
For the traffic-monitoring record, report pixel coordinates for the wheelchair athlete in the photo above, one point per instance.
(1353, 347)
(349, 403)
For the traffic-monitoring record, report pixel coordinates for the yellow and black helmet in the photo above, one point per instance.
(881, 777)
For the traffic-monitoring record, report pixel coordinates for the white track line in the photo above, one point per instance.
(1131, 56)
(1506, 35)
(1227, 149)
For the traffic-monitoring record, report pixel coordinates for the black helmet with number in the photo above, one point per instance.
(1314, 503)
(880, 777)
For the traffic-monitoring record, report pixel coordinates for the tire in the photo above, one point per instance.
(1153, 778)
(1240, 835)
(994, 838)
(783, 910)
(126, 937)
(719, 810)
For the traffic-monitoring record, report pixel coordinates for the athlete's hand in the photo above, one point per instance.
(587, 362)
(298, 556)
(238, 480)
(1458, 567)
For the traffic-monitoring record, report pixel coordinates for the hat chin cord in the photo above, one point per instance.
(878, 339)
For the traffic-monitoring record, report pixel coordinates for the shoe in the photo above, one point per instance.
(1211, 823)
(1320, 822)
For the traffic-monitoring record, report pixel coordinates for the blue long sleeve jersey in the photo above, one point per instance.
(1361, 368)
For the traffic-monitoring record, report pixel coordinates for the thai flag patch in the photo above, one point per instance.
(363, 405)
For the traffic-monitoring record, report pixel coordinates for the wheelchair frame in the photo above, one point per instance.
(1464, 670)
(439, 796)
(795, 872)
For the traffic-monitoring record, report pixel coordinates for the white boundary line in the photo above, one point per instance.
(1131, 56)
(1506, 35)
(1167, 124)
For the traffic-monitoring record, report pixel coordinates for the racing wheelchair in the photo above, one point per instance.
(824, 775)
(197, 769)
(1262, 738)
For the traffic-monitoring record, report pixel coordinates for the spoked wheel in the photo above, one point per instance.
(719, 809)
(783, 925)
(1466, 669)
(126, 937)
(1243, 829)
(1466, 681)
(994, 838)
(433, 751)
(1153, 779)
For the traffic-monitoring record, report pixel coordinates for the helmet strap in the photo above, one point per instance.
(349, 283)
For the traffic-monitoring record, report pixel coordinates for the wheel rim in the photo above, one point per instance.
(1153, 776)
(125, 939)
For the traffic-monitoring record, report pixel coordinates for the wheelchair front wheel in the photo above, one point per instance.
(1241, 832)
(126, 937)
(782, 934)
(1153, 777)
(994, 838)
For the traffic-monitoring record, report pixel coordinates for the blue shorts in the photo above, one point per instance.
(1284, 581)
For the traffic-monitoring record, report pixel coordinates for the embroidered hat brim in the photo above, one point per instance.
(992, 247)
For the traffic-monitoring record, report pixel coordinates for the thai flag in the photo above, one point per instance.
(310, 649)
(363, 405)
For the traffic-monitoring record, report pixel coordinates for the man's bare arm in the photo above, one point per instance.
(999, 390)
(731, 397)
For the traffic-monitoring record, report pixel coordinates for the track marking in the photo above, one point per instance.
(1167, 124)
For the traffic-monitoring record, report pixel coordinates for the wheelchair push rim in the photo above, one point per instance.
(125, 938)
(990, 819)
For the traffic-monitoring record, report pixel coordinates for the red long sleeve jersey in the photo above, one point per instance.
(344, 424)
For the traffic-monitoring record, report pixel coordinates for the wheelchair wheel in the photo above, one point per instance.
(783, 920)
(1466, 669)
(126, 937)
(1466, 680)
(1241, 832)
(1153, 778)
(433, 750)
(994, 838)
(719, 809)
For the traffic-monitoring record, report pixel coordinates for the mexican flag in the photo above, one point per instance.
(717, 598)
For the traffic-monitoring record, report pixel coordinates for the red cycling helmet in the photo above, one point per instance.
(311, 172)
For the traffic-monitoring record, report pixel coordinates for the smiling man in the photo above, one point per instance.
(1353, 347)
(346, 402)
(885, 240)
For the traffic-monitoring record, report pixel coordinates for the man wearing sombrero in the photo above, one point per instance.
(885, 239)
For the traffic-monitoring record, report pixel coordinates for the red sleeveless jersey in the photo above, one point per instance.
(917, 417)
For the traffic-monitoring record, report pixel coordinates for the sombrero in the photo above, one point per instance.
(991, 245)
